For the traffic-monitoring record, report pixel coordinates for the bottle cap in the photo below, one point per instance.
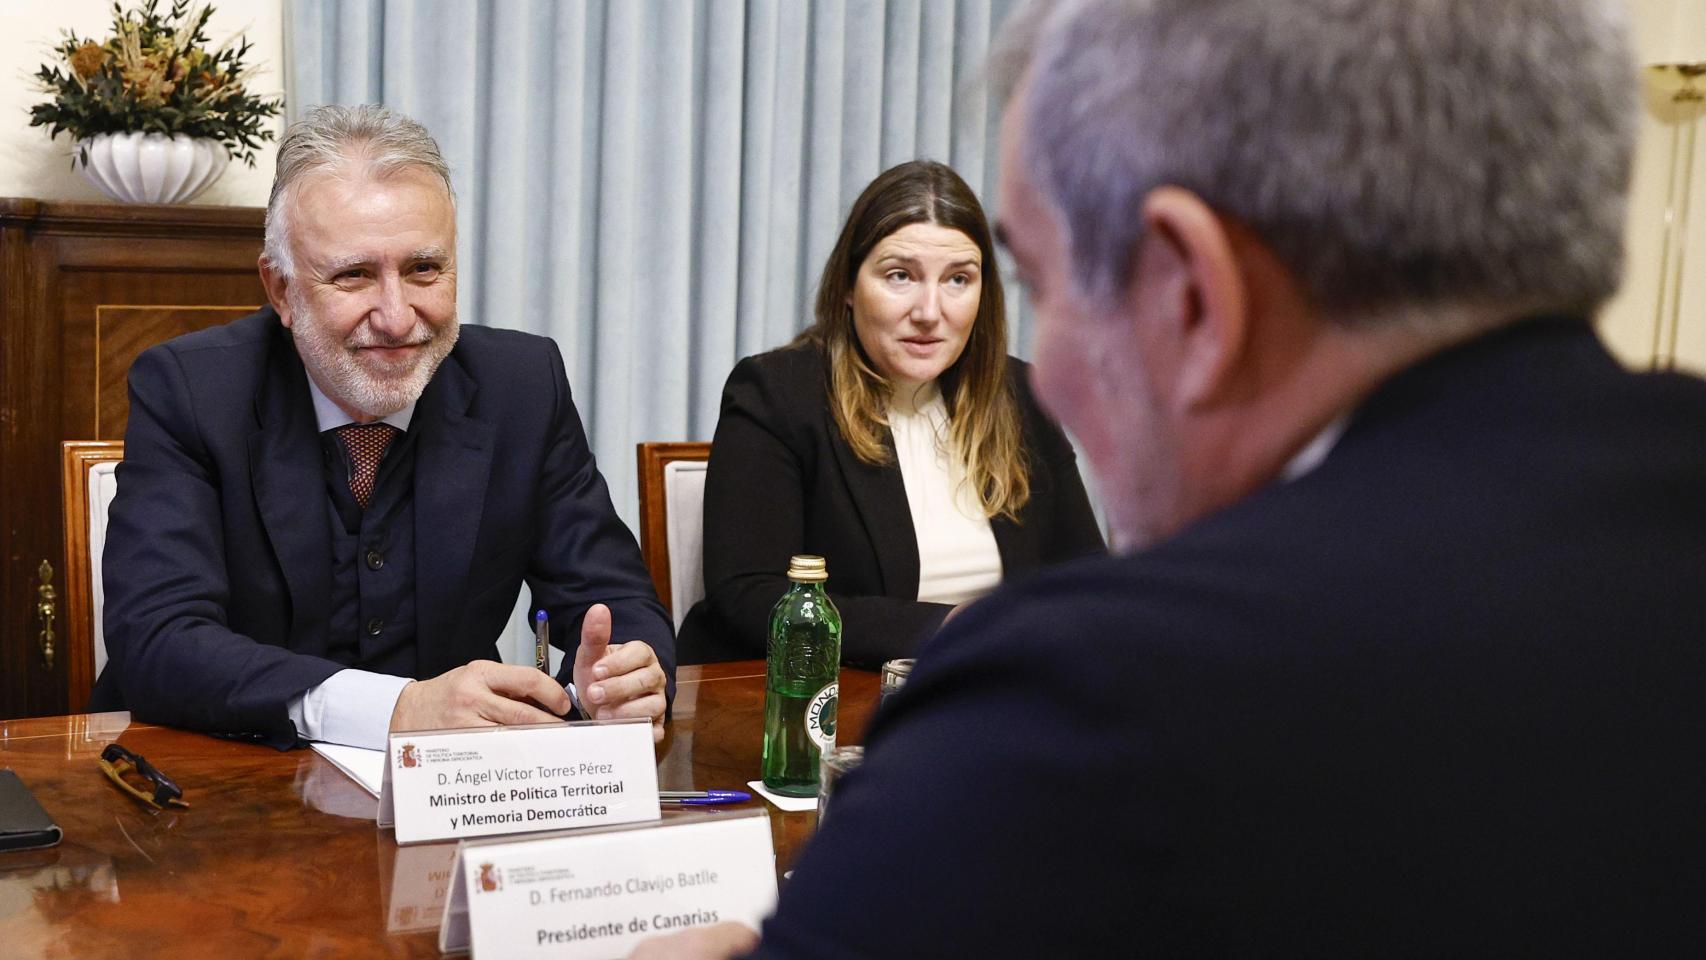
(807, 569)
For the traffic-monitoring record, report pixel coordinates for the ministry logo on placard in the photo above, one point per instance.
(491, 878)
(408, 755)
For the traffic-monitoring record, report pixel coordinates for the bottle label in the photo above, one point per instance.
(820, 717)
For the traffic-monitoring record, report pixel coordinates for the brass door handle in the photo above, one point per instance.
(47, 605)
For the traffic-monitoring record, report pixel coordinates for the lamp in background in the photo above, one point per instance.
(1685, 83)
(1680, 84)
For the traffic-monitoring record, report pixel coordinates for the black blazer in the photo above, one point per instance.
(218, 558)
(1443, 696)
(782, 481)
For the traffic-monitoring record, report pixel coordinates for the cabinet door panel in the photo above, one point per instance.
(84, 290)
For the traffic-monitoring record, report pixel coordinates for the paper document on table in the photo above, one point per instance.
(366, 767)
(788, 804)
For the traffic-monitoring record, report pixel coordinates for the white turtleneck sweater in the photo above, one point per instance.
(957, 556)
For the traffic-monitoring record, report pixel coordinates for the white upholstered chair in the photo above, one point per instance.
(89, 473)
(672, 521)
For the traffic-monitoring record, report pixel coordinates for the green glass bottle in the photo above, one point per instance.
(801, 684)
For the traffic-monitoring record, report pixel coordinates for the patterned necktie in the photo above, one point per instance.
(366, 443)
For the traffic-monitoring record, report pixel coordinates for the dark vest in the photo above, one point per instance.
(372, 623)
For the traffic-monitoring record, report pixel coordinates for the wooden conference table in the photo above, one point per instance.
(278, 855)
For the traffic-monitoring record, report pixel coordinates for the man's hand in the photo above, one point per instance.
(617, 679)
(716, 942)
(481, 694)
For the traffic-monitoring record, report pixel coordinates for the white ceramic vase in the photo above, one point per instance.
(152, 167)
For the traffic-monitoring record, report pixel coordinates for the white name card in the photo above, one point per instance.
(550, 776)
(592, 895)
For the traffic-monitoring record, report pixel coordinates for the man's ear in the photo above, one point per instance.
(1204, 310)
(276, 283)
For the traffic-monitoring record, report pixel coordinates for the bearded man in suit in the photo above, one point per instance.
(327, 509)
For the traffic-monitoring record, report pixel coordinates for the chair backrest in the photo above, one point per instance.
(89, 481)
(672, 521)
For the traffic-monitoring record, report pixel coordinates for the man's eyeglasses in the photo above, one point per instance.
(117, 762)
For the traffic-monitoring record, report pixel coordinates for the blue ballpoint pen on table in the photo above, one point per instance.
(542, 641)
(703, 798)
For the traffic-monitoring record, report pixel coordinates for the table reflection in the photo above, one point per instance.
(414, 882)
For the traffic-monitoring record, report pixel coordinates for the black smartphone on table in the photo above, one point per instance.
(24, 825)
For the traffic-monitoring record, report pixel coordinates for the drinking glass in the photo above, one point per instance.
(895, 673)
(837, 762)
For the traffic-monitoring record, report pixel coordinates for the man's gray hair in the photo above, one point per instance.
(1394, 154)
(378, 140)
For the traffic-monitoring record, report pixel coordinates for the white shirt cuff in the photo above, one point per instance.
(352, 707)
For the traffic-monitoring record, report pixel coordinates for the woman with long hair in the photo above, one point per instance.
(895, 437)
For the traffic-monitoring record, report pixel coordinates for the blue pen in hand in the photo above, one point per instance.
(542, 641)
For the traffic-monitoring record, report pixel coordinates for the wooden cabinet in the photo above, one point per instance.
(84, 289)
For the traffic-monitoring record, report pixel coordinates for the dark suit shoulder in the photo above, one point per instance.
(790, 372)
(494, 341)
(489, 352)
(229, 353)
(214, 372)
(257, 330)
(785, 391)
(510, 362)
(1472, 499)
(1114, 611)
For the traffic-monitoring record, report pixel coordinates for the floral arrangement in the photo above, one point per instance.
(156, 73)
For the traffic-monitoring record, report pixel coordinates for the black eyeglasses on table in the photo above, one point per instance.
(116, 761)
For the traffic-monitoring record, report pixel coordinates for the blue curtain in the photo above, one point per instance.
(656, 183)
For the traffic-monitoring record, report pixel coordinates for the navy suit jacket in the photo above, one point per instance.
(1445, 695)
(217, 564)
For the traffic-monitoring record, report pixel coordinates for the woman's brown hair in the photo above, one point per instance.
(982, 413)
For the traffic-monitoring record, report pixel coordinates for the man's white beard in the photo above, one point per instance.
(333, 364)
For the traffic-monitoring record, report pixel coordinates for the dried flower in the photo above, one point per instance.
(87, 59)
(156, 73)
(147, 81)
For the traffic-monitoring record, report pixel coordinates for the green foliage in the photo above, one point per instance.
(155, 74)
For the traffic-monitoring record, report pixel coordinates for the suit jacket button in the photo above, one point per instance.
(374, 626)
(375, 559)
